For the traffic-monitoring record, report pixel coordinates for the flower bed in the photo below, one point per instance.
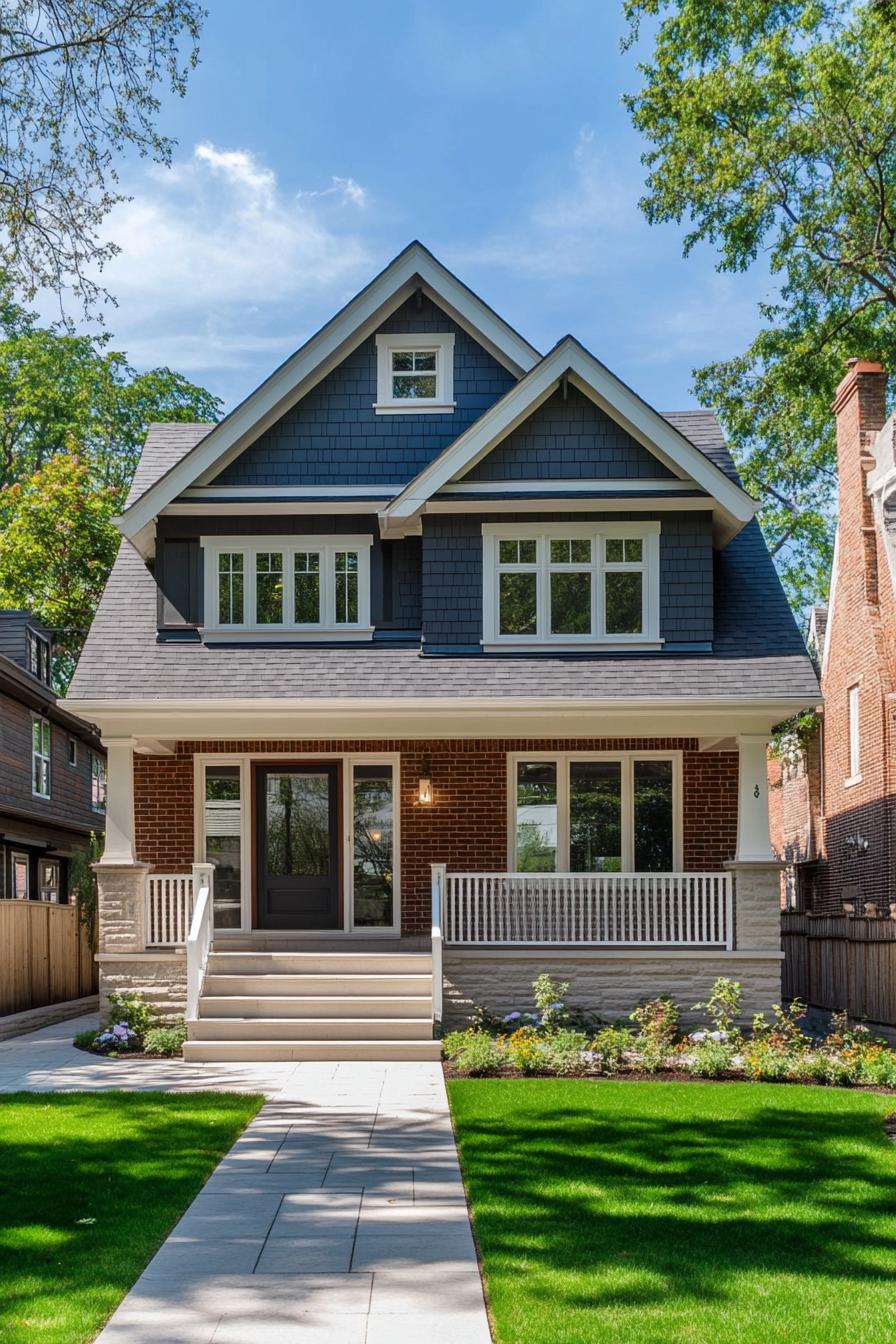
(133, 1030)
(561, 1041)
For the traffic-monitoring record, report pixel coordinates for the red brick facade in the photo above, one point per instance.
(853, 857)
(466, 824)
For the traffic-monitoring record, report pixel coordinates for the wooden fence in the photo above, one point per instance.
(44, 956)
(841, 961)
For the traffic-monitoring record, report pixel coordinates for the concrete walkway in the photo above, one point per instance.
(338, 1217)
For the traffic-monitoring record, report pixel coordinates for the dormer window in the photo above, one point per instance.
(415, 373)
(38, 647)
(590, 585)
(297, 587)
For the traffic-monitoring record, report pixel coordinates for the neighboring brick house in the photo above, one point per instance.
(833, 805)
(435, 664)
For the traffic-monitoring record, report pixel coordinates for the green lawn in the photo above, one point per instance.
(90, 1185)
(681, 1213)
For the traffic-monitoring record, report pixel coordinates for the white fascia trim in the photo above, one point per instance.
(545, 506)
(222, 492)
(645, 424)
(319, 355)
(576, 486)
(264, 508)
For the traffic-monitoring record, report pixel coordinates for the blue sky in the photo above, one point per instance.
(316, 140)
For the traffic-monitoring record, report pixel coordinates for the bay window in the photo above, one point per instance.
(600, 813)
(571, 584)
(303, 586)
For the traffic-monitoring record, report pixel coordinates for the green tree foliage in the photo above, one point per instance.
(772, 126)
(57, 544)
(79, 87)
(59, 389)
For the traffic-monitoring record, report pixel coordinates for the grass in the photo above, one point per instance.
(90, 1185)
(681, 1213)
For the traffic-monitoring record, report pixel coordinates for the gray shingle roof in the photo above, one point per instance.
(123, 660)
(703, 430)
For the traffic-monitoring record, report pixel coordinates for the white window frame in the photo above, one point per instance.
(45, 756)
(543, 534)
(327, 547)
(627, 760)
(854, 735)
(38, 649)
(14, 855)
(55, 864)
(97, 782)
(73, 751)
(247, 849)
(442, 344)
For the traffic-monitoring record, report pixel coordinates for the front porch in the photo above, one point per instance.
(551, 828)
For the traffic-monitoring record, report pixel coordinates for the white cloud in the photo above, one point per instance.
(222, 270)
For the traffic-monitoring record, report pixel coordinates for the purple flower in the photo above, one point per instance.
(513, 1017)
(120, 1031)
(554, 1007)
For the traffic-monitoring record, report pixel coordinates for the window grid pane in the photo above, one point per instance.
(307, 587)
(518, 603)
(623, 602)
(269, 588)
(536, 816)
(230, 588)
(346, 587)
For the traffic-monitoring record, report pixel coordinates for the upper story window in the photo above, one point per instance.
(38, 647)
(302, 586)
(855, 755)
(97, 782)
(40, 756)
(571, 584)
(415, 373)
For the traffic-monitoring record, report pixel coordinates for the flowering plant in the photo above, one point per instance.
(117, 1036)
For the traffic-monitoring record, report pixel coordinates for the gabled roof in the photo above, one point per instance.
(569, 358)
(414, 268)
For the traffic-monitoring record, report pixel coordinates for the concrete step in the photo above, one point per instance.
(311, 1029)
(247, 1052)
(266, 984)
(319, 963)
(303, 1006)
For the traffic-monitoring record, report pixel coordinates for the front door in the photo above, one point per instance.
(298, 846)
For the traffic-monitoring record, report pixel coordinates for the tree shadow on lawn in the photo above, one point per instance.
(90, 1185)
(647, 1206)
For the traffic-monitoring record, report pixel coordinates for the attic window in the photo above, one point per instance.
(415, 373)
(38, 656)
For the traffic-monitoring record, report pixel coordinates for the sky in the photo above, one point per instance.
(315, 141)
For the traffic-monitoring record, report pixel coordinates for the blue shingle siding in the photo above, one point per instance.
(569, 440)
(334, 436)
(452, 575)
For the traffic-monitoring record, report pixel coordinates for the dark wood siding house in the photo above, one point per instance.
(52, 797)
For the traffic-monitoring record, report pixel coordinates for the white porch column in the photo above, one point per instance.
(119, 800)
(753, 842)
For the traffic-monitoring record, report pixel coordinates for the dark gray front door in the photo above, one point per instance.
(298, 851)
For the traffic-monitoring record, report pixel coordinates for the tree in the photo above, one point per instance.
(79, 87)
(773, 130)
(57, 388)
(57, 545)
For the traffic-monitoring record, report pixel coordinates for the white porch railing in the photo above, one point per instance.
(589, 909)
(199, 939)
(438, 905)
(169, 908)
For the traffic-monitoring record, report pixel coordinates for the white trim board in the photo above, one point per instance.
(414, 268)
(735, 508)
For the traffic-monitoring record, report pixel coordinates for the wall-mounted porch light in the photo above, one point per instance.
(424, 789)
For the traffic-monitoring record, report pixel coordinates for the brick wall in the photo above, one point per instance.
(465, 827)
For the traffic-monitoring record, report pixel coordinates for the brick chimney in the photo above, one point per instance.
(860, 410)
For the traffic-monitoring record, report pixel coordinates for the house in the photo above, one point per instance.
(52, 797)
(835, 823)
(437, 663)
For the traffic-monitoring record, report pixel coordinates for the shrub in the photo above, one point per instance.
(84, 1039)
(116, 1038)
(658, 1023)
(165, 1040)
(564, 1053)
(550, 1000)
(723, 1005)
(764, 1059)
(609, 1047)
(473, 1052)
(523, 1050)
(711, 1059)
(132, 1011)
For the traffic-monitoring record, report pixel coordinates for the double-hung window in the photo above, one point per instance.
(604, 813)
(592, 584)
(40, 756)
(415, 373)
(39, 663)
(306, 587)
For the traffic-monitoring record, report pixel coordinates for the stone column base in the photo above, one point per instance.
(122, 906)
(160, 978)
